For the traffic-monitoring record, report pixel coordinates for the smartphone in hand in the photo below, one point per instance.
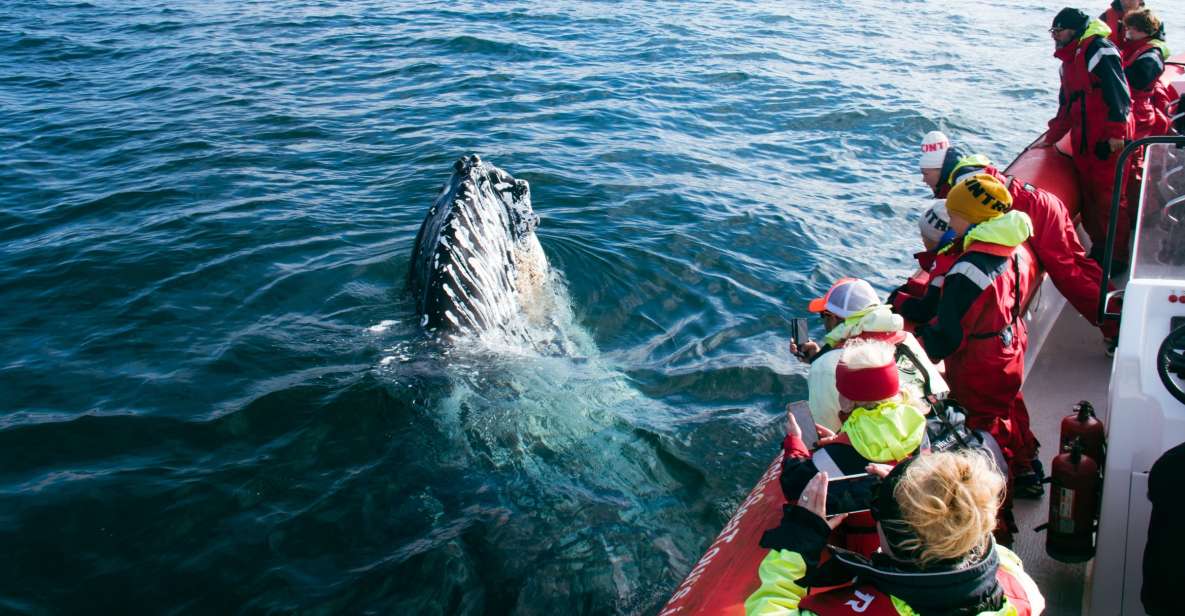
(851, 493)
(799, 333)
(802, 415)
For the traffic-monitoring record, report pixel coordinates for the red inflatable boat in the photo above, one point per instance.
(727, 572)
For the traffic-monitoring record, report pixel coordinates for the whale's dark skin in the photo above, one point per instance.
(464, 272)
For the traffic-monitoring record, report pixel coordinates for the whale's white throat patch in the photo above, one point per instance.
(478, 269)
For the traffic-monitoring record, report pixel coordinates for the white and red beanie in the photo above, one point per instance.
(867, 371)
(934, 222)
(934, 147)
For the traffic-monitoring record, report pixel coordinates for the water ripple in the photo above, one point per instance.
(215, 394)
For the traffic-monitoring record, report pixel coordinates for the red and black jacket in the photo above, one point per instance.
(981, 297)
(1094, 103)
(1143, 65)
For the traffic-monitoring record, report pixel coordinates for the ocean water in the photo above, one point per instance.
(214, 395)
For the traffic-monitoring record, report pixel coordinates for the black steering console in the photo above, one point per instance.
(1170, 361)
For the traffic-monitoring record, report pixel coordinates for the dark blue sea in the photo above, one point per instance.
(214, 393)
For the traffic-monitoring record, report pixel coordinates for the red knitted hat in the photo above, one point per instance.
(867, 384)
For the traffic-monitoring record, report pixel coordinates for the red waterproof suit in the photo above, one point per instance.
(1055, 245)
(909, 299)
(1143, 64)
(986, 373)
(982, 337)
(1095, 106)
(1113, 17)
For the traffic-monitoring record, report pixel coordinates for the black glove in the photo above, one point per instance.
(1102, 150)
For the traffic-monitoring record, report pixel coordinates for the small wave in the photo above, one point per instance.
(468, 44)
(728, 77)
(160, 27)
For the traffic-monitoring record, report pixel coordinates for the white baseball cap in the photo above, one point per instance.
(845, 298)
(934, 222)
(934, 148)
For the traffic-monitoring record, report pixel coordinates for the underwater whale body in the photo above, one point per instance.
(476, 260)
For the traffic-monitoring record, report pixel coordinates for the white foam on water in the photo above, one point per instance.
(383, 326)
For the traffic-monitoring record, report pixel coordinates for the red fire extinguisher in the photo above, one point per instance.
(1082, 424)
(1073, 505)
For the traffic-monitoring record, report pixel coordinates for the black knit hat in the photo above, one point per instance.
(1071, 19)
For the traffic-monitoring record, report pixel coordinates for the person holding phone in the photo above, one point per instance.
(851, 310)
(935, 514)
(879, 423)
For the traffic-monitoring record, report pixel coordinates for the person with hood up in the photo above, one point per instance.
(1055, 241)
(1094, 107)
(879, 423)
(977, 327)
(851, 309)
(935, 514)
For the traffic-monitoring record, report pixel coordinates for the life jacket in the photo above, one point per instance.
(1083, 99)
(915, 286)
(874, 323)
(1021, 595)
(997, 310)
(1150, 104)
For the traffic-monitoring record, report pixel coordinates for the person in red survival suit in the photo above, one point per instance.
(934, 513)
(1144, 54)
(880, 424)
(978, 329)
(1114, 15)
(1055, 240)
(1094, 107)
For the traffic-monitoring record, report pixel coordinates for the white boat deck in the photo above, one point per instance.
(1070, 365)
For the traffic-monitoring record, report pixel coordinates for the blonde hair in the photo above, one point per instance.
(949, 500)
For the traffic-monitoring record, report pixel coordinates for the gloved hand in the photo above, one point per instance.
(1102, 150)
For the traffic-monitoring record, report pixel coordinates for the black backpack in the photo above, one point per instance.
(946, 427)
(946, 422)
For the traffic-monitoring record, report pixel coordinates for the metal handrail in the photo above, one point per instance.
(1172, 204)
(1113, 223)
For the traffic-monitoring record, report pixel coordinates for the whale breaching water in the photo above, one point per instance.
(476, 261)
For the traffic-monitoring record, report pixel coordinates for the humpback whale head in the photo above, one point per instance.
(476, 256)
